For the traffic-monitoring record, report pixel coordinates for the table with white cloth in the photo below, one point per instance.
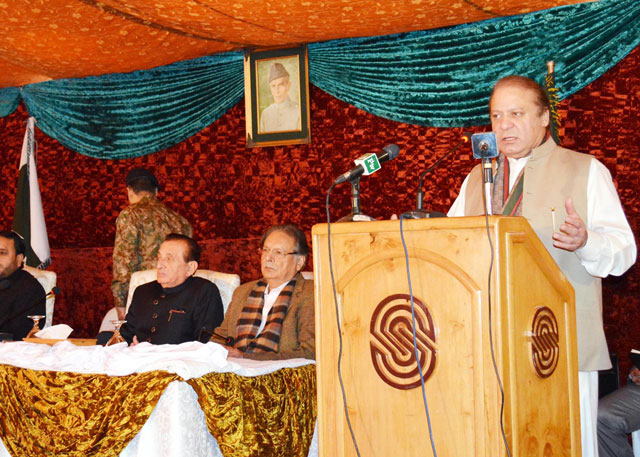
(161, 378)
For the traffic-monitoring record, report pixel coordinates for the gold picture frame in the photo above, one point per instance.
(276, 84)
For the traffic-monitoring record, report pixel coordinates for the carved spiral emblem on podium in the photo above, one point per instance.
(545, 349)
(392, 352)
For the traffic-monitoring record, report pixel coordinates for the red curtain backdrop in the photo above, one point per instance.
(231, 194)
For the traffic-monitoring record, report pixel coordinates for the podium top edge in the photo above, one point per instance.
(439, 223)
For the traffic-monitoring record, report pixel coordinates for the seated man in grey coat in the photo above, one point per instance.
(273, 318)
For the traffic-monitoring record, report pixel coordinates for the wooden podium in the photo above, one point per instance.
(533, 324)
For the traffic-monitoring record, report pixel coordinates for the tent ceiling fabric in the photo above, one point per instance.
(53, 39)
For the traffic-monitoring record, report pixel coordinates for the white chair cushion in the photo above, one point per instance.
(48, 280)
(106, 325)
(139, 278)
(226, 282)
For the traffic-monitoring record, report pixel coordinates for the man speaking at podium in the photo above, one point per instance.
(571, 202)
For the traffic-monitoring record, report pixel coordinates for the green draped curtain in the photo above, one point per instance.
(9, 100)
(438, 78)
(132, 114)
(442, 78)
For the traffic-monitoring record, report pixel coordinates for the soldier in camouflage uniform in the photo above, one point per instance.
(140, 230)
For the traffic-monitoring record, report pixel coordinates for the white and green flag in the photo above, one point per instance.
(28, 217)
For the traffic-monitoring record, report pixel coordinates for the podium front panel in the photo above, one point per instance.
(541, 350)
(448, 261)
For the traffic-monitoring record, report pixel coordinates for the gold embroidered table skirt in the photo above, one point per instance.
(48, 413)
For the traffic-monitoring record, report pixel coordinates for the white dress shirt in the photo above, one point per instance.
(270, 297)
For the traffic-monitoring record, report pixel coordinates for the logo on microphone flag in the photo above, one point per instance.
(28, 216)
(369, 162)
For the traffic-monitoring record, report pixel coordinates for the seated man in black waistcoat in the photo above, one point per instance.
(178, 306)
(21, 294)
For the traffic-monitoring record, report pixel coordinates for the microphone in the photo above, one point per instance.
(211, 335)
(419, 212)
(369, 163)
(485, 147)
(55, 291)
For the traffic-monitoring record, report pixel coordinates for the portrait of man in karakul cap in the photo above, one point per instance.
(284, 113)
(277, 71)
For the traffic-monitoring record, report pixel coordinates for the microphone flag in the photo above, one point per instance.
(369, 162)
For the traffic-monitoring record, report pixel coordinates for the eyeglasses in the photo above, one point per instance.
(277, 253)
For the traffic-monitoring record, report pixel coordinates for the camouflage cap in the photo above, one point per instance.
(277, 71)
(141, 173)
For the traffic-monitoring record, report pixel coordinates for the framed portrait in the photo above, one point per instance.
(276, 85)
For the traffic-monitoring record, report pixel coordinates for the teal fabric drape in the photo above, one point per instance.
(9, 100)
(439, 78)
(132, 114)
(443, 78)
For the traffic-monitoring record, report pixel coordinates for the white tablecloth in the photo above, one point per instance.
(177, 426)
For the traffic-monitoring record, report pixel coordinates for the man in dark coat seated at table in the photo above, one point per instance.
(273, 318)
(178, 307)
(21, 295)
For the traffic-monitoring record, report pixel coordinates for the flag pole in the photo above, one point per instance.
(552, 95)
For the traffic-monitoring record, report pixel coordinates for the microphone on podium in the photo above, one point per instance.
(366, 165)
(369, 163)
(484, 145)
(419, 212)
(485, 148)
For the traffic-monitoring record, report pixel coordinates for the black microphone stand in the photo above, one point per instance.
(355, 215)
(487, 181)
(419, 212)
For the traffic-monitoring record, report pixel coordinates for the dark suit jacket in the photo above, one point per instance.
(21, 295)
(173, 315)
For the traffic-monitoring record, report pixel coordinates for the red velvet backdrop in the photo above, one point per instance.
(231, 193)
